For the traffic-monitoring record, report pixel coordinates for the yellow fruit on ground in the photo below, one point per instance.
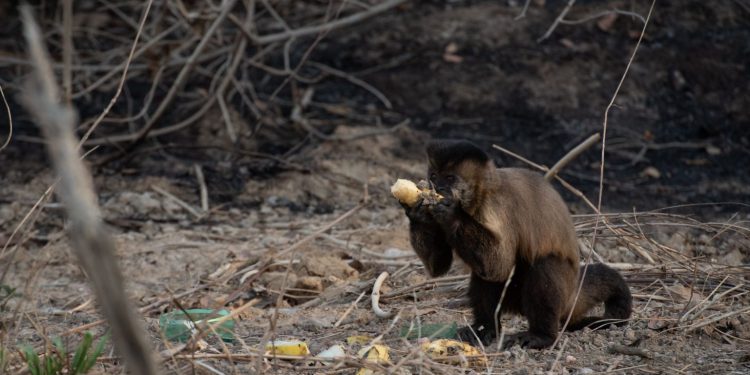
(454, 352)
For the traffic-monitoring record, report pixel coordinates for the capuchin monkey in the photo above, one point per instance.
(495, 220)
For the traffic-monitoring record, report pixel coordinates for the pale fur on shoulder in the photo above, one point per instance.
(528, 218)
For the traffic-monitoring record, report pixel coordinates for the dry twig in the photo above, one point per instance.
(93, 245)
(10, 120)
(202, 187)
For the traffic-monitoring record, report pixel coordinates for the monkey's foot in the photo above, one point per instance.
(528, 340)
(467, 334)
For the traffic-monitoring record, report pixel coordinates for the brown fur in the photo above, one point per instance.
(495, 219)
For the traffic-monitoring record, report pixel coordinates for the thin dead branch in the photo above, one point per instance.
(10, 120)
(323, 28)
(181, 79)
(558, 20)
(572, 155)
(202, 187)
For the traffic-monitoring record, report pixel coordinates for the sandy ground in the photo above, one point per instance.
(165, 251)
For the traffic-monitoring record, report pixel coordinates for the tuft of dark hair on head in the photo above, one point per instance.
(440, 152)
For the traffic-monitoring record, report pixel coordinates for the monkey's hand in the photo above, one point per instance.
(445, 212)
(419, 212)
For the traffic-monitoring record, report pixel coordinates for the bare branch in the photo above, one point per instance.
(558, 20)
(571, 155)
(10, 120)
(326, 27)
(92, 244)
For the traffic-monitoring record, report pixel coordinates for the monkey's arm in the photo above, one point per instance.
(428, 240)
(489, 257)
(430, 244)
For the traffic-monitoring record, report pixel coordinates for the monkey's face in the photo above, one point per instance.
(452, 182)
(456, 169)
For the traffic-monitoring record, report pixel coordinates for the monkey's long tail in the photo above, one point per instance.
(603, 284)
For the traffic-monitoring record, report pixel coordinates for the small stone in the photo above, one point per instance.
(570, 359)
(630, 334)
(713, 150)
(310, 283)
(605, 23)
(585, 370)
(274, 280)
(734, 258)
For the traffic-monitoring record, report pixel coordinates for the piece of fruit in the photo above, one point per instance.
(406, 192)
(454, 352)
(358, 340)
(291, 347)
(376, 353)
(409, 193)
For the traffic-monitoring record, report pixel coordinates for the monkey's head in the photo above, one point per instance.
(457, 168)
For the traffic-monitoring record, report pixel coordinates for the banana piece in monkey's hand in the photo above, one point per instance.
(409, 193)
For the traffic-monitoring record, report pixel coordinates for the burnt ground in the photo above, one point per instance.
(681, 110)
(677, 135)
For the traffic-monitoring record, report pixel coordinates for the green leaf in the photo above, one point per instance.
(98, 350)
(79, 359)
(32, 360)
(57, 342)
(49, 365)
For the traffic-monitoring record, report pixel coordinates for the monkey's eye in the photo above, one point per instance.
(433, 177)
(450, 178)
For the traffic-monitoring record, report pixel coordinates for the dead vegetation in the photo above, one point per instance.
(296, 256)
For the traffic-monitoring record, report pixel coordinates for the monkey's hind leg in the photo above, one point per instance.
(483, 297)
(602, 284)
(545, 289)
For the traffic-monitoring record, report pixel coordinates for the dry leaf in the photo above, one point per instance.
(656, 323)
(450, 54)
(684, 294)
(567, 43)
(606, 22)
(451, 48)
(455, 59)
(648, 135)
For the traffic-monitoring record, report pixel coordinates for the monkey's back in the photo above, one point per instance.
(525, 206)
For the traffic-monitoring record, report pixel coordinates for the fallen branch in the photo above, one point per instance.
(177, 201)
(552, 172)
(349, 310)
